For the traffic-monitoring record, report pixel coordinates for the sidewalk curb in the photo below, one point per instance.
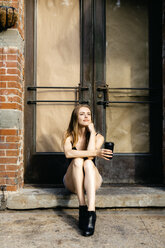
(106, 197)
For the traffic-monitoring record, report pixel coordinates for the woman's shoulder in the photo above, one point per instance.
(99, 136)
(67, 138)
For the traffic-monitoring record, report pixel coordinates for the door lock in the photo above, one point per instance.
(103, 94)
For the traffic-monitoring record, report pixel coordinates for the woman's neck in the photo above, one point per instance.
(82, 131)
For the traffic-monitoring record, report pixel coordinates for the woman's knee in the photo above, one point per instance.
(88, 165)
(78, 162)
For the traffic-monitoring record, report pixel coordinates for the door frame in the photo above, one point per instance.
(144, 168)
(29, 110)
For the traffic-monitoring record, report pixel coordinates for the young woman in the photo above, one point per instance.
(81, 145)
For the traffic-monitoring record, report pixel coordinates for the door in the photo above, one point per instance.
(99, 53)
(132, 94)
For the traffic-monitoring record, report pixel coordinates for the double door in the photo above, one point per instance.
(100, 53)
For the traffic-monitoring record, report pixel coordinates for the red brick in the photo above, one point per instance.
(11, 167)
(9, 131)
(2, 174)
(8, 106)
(2, 99)
(11, 64)
(2, 84)
(14, 99)
(2, 167)
(20, 132)
(15, 85)
(10, 91)
(11, 174)
(9, 78)
(11, 188)
(3, 57)
(12, 71)
(11, 106)
(2, 71)
(2, 153)
(12, 139)
(8, 146)
(11, 181)
(11, 57)
(2, 138)
(4, 160)
(2, 64)
(12, 153)
(7, 174)
(2, 180)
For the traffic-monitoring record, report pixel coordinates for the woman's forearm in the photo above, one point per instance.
(92, 142)
(80, 154)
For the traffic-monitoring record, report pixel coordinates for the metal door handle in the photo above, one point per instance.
(105, 101)
(34, 88)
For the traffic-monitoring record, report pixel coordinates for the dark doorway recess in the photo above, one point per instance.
(126, 167)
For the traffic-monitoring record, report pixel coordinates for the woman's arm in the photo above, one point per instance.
(92, 139)
(103, 153)
(96, 141)
(69, 153)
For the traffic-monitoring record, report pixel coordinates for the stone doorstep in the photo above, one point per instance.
(106, 197)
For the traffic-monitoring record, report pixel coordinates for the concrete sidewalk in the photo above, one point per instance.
(53, 228)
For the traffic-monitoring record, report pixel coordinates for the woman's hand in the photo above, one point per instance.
(104, 153)
(91, 128)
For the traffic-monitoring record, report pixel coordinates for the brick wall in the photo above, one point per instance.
(11, 152)
(12, 101)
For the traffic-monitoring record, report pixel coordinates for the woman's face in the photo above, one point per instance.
(84, 116)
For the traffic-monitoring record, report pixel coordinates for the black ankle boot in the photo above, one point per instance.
(90, 226)
(82, 217)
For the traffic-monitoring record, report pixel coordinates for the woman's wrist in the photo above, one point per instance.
(95, 153)
(93, 132)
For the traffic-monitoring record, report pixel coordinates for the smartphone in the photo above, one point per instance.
(109, 145)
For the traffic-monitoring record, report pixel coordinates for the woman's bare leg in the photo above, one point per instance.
(74, 179)
(92, 182)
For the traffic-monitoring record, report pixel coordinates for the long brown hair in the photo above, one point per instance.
(73, 125)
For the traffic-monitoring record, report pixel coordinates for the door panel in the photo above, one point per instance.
(58, 64)
(128, 127)
(127, 66)
(127, 44)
